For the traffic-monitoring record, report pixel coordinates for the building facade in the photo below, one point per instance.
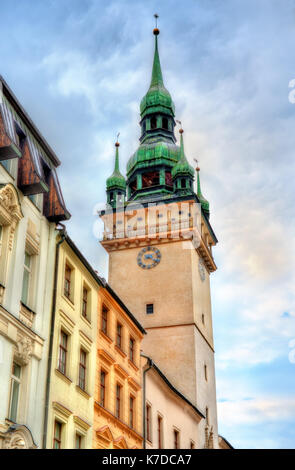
(160, 245)
(31, 204)
(118, 420)
(71, 378)
(171, 420)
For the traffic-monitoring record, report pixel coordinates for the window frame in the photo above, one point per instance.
(102, 388)
(62, 350)
(132, 349)
(160, 431)
(82, 368)
(59, 439)
(132, 411)
(15, 380)
(104, 319)
(119, 335)
(118, 401)
(27, 274)
(68, 281)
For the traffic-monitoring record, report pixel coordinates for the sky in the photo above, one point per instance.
(80, 69)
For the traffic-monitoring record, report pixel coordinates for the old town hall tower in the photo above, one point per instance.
(159, 239)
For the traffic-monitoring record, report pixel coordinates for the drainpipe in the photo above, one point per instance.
(49, 363)
(150, 363)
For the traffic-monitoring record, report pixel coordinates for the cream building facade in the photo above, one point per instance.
(171, 420)
(28, 185)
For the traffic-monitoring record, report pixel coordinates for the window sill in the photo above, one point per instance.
(27, 308)
(120, 351)
(86, 320)
(133, 365)
(83, 392)
(71, 304)
(105, 336)
(63, 376)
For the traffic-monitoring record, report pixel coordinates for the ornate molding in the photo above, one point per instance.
(23, 350)
(10, 210)
(18, 437)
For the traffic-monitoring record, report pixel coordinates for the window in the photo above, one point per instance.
(203, 319)
(57, 435)
(68, 275)
(131, 411)
(165, 123)
(153, 122)
(104, 320)
(131, 349)
(26, 278)
(15, 391)
(176, 439)
(102, 388)
(62, 358)
(118, 401)
(82, 369)
(78, 441)
(7, 165)
(84, 302)
(151, 178)
(20, 135)
(149, 309)
(119, 336)
(133, 185)
(183, 183)
(148, 421)
(168, 178)
(207, 415)
(192, 445)
(160, 422)
(205, 372)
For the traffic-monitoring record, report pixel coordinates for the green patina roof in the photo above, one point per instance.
(116, 180)
(158, 98)
(204, 203)
(182, 167)
(152, 154)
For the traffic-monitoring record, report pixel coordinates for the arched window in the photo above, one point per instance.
(183, 183)
(153, 122)
(144, 126)
(164, 123)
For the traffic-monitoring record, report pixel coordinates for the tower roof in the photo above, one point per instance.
(182, 167)
(157, 98)
(116, 180)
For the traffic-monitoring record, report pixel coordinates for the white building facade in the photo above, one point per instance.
(31, 204)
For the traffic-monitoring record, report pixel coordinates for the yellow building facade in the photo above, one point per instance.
(70, 401)
(118, 391)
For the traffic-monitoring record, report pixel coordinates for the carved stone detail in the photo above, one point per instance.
(23, 350)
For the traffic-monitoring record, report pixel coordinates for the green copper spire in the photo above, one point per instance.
(182, 167)
(158, 98)
(116, 180)
(204, 203)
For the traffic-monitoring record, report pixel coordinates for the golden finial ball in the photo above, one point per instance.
(117, 144)
(156, 31)
(181, 131)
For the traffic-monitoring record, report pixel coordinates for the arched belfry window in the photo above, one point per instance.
(165, 123)
(153, 122)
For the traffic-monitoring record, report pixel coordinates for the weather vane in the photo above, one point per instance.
(197, 162)
(179, 122)
(156, 18)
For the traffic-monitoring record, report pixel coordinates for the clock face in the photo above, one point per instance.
(148, 257)
(202, 270)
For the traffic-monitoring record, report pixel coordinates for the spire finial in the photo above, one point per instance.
(117, 142)
(180, 130)
(197, 162)
(156, 31)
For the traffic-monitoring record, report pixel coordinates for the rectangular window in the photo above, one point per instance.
(149, 309)
(62, 358)
(78, 441)
(118, 401)
(26, 278)
(192, 445)
(57, 435)
(15, 391)
(176, 439)
(68, 274)
(82, 370)
(160, 422)
(148, 421)
(131, 411)
(102, 388)
(119, 336)
(131, 349)
(84, 302)
(104, 320)
(205, 372)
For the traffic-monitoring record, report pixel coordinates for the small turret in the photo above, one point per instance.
(116, 183)
(203, 201)
(182, 172)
